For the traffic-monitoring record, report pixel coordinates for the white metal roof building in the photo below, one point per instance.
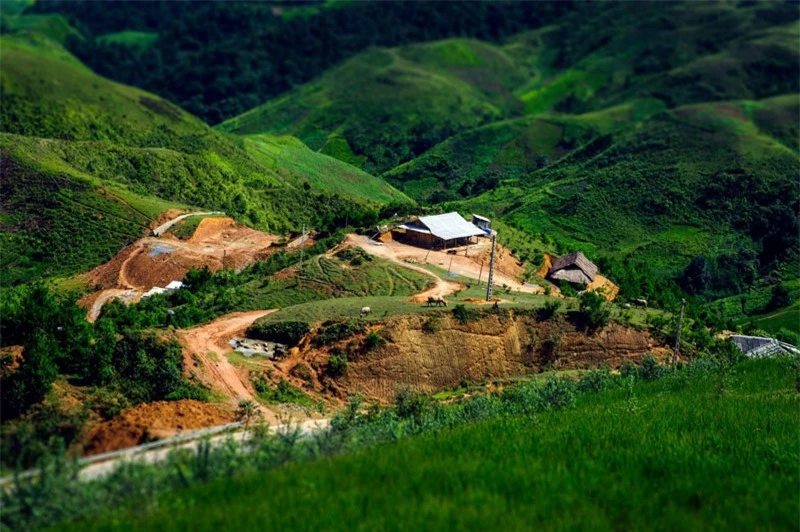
(441, 230)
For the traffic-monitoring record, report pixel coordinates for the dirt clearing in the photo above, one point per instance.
(412, 257)
(155, 262)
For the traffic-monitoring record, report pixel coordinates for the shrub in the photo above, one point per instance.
(282, 332)
(337, 363)
(410, 404)
(463, 314)
(780, 298)
(372, 340)
(431, 325)
(593, 310)
(557, 392)
(650, 370)
(628, 369)
(548, 310)
(334, 331)
(595, 380)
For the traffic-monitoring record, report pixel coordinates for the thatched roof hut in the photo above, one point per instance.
(574, 268)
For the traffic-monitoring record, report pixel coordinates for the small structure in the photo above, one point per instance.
(438, 232)
(760, 347)
(482, 222)
(574, 268)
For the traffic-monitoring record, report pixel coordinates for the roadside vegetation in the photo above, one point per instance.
(613, 426)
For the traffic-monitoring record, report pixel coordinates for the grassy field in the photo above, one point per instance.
(293, 160)
(667, 454)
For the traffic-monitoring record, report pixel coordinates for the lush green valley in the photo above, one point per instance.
(661, 139)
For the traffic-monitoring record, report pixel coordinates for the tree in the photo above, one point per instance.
(593, 310)
(780, 298)
(246, 412)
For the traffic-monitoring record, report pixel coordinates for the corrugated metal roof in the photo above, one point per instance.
(481, 218)
(450, 226)
(759, 347)
(413, 227)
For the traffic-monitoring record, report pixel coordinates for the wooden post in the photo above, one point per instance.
(480, 273)
(678, 336)
(450, 267)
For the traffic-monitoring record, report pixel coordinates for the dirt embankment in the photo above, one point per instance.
(152, 421)
(430, 357)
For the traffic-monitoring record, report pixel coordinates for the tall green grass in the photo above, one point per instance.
(642, 454)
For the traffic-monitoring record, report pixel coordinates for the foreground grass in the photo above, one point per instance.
(666, 455)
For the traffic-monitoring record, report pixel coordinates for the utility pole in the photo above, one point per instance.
(302, 249)
(490, 280)
(678, 336)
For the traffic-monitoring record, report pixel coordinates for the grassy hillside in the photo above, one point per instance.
(507, 151)
(667, 190)
(295, 162)
(386, 106)
(81, 154)
(671, 452)
(381, 107)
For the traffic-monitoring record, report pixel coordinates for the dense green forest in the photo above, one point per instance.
(219, 59)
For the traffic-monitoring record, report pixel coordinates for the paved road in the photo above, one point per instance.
(163, 228)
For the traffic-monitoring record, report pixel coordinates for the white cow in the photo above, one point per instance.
(365, 311)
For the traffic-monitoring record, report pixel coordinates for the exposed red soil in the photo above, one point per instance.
(152, 421)
(208, 345)
(155, 262)
(494, 346)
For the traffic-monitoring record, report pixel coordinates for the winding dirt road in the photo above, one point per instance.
(209, 345)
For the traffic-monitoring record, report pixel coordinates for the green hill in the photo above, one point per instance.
(85, 159)
(701, 180)
(385, 106)
(289, 158)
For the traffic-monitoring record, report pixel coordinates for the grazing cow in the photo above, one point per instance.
(436, 301)
(639, 302)
(365, 311)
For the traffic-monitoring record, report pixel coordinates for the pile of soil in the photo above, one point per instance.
(148, 422)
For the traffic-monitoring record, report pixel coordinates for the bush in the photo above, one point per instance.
(410, 404)
(431, 325)
(628, 369)
(593, 311)
(548, 310)
(557, 392)
(650, 370)
(372, 340)
(283, 332)
(779, 299)
(463, 314)
(334, 331)
(595, 380)
(337, 363)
